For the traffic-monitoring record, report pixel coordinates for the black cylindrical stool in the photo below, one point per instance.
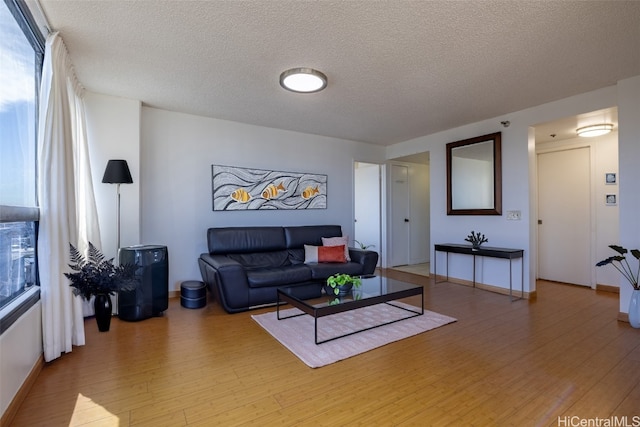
(193, 294)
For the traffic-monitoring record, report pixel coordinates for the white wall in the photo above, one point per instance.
(177, 153)
(178, 150)
(367, 203)
(20, 350)
(113, 132)
(628, 94)
(516, 159)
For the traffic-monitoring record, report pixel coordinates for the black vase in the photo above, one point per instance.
(102, 306)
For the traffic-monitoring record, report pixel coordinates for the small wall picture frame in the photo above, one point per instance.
(611, 200)
(610, 178)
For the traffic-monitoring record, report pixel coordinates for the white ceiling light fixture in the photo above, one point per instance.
(303, 80)
(594, 130)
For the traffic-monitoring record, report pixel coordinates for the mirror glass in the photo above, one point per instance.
(474, 176)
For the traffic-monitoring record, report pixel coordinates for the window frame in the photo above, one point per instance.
(14, 309)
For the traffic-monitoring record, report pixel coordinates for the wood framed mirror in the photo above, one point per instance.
(474, 176)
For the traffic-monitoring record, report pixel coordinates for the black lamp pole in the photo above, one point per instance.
(117, 172)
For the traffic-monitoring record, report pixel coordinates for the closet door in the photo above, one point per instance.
(564, 216)
(399, 216)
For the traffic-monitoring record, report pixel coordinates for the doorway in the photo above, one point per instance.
(408, 224)
(564, 216)
(576, 220)
(367, 206)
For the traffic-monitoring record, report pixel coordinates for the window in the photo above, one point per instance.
(21, 55)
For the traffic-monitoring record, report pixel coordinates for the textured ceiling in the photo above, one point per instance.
(397, 69)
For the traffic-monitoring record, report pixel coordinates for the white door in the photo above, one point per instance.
(564, 216)
(399, 216)
(367, 206)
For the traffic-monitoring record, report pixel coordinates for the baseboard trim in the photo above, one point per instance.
(623, 317)
(21, 395)
(495, 289)
(608, 288)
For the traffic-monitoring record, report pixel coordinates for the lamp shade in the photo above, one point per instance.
(117, 172)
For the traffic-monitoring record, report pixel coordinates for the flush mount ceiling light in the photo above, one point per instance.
(595, 130)
(303, 80)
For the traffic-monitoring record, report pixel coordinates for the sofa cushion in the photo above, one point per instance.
(263, 277)
(228, 240)
(324, 254)
(337, 241)
(297, 237)
(262, 259)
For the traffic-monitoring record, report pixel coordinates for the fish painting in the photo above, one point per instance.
(240, 195)
(271, 191)
(309, 192)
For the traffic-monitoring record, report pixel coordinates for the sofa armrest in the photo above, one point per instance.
(368, 259)
(227, 279)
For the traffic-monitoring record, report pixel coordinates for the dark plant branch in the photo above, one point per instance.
(94, 274)
(620, 263)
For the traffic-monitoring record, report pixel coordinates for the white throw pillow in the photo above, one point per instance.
(338, 241)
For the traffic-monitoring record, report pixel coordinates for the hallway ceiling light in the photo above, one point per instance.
(303, 80)
(595, 130)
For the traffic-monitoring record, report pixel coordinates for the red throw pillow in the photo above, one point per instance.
(331, 254)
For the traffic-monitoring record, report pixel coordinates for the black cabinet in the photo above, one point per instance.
(151, 295)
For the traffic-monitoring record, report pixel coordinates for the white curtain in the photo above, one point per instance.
(65, 193)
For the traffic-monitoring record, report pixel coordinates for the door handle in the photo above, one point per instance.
(406, 220)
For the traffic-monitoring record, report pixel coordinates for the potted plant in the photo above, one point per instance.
(476, 239)
(341, 284)
(95, 276)
(622, 265)
(363, 246)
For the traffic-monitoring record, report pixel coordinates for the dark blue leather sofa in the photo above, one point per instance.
(245, 265)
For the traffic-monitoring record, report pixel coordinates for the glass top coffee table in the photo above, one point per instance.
(374, 290)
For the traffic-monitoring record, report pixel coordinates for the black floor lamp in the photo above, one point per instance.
(117, 172)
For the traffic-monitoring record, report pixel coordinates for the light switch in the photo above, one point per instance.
(514, 215)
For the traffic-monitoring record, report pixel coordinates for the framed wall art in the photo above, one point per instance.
(238, 189)
(610, 178)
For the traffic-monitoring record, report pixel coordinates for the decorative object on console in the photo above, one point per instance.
(94, 275)
(621, 264)
(341, 284)
(236, 188)
(476, 239)
(117, 172)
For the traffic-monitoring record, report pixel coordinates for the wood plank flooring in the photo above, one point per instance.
(522, 363)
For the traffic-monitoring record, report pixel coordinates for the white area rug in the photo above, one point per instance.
(297, 334)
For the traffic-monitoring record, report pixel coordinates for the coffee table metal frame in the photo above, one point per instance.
(327, 310)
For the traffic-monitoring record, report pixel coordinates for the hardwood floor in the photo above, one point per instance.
(524, 363)
(421, 269)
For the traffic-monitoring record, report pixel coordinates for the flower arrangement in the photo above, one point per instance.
(476, 239)
(95, 275)
(622, 265)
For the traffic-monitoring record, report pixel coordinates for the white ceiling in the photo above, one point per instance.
(397, 69)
